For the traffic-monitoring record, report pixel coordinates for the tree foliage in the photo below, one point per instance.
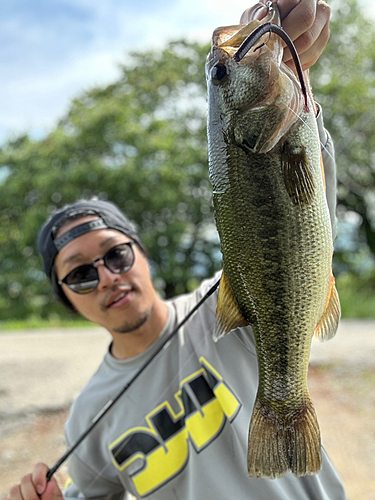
(344, 84)
(141, 143)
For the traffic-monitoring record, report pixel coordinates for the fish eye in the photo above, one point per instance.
(218, 73)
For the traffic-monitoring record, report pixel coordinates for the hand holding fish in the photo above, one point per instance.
(305, 21)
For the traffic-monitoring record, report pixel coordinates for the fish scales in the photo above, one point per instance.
(276, 240)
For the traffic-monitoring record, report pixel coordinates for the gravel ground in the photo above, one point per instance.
(42, 372)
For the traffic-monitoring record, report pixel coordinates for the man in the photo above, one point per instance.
(180, 431)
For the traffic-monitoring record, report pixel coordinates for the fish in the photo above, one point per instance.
(275, 234)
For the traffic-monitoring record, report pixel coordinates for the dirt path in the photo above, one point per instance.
(40, 375)
(341, 379)
(345, 405)
(40, 439)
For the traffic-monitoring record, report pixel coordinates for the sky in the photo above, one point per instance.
(53, 50)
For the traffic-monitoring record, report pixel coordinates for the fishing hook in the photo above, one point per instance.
(252, 39)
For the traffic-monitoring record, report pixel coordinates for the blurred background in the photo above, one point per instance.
(96, 101)
(108, 99)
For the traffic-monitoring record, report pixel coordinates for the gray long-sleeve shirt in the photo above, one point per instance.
(180, 431)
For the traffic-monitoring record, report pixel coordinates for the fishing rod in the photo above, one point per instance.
(113, 401)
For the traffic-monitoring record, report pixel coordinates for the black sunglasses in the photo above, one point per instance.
(84, 279)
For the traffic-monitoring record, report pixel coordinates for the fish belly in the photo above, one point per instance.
(277, 259)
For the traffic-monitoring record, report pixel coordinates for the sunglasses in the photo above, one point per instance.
(84, 279)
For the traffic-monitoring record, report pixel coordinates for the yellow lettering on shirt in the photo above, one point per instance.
(160, 450)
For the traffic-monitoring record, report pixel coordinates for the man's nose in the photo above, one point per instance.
(106, 277)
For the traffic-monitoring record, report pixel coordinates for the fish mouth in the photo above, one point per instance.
(227, 40)
(230, 38)
(257, 34)
(255, 50)
(236, 41)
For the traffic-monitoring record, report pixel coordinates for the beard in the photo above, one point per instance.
(131, 326)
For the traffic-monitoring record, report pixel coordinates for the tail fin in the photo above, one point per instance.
(278, 444)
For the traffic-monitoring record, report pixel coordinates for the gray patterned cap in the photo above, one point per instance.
(110, 216)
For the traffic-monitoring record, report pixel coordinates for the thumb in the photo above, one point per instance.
(46, 491)
(257, 11)
(51, 491)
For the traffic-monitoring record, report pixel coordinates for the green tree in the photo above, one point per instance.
(344, 84)
(141, 143)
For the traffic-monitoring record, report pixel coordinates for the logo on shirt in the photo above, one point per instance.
(153, 455)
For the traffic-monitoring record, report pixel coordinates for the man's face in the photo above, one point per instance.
(102, 305)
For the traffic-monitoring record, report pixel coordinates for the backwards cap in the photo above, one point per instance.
(110, 216)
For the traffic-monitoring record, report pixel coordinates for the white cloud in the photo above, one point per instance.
(48, 63)
(49, 59)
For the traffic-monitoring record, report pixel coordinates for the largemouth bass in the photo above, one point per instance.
(276, 238)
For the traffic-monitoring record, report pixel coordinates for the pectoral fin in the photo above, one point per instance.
(228, 315)
(298, 177)
(329, 322)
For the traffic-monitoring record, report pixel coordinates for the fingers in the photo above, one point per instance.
(15, 493)
(39, 477)
(52, 491)
(297, 16)
(310, 43)
(25, 490)
(257, 11)
(305, 21)
(34, 486)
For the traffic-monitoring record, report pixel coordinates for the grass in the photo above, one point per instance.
(357, 298)
(38, 323)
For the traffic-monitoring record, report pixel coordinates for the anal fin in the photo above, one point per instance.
(329, 322)
(228, 315)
